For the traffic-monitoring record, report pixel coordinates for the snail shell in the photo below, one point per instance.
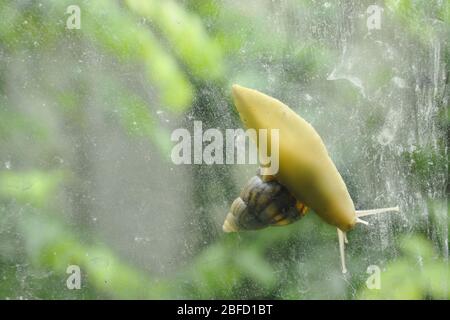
(263, 202)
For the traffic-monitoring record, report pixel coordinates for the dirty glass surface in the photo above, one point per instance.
(93, 205)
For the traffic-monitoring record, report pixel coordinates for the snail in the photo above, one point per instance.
(263, 202)
(307, 177)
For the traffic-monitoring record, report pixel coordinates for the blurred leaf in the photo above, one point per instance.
(413, 14)
(119, 33)
(186, 35)
(137, 119)
(255, 266)
(52, 246)
(418, 275)
(14, 123)
(29, 187)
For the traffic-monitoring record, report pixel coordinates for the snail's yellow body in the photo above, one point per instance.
(305, 171)
(305, 168)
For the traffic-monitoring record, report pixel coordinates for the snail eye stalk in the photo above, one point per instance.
(342, 236)
(363, 213)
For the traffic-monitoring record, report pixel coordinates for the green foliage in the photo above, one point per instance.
(32, 187)
(419, 274)
(186, 35)
(134, 60)
(50, 246)
(413, 15)
(426, 163)
(13, 122)
(236, 267)
(119, 33)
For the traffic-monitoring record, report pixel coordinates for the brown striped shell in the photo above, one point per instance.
(263, 202)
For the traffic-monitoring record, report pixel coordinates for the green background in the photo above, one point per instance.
(85, 171)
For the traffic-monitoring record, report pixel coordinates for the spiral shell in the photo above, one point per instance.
(263, 202)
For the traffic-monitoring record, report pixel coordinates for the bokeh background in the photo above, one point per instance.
(86, 176)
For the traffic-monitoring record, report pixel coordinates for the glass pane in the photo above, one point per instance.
(123, 147)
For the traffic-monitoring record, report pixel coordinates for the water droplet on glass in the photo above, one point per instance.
(385, 137)
(399, 82)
